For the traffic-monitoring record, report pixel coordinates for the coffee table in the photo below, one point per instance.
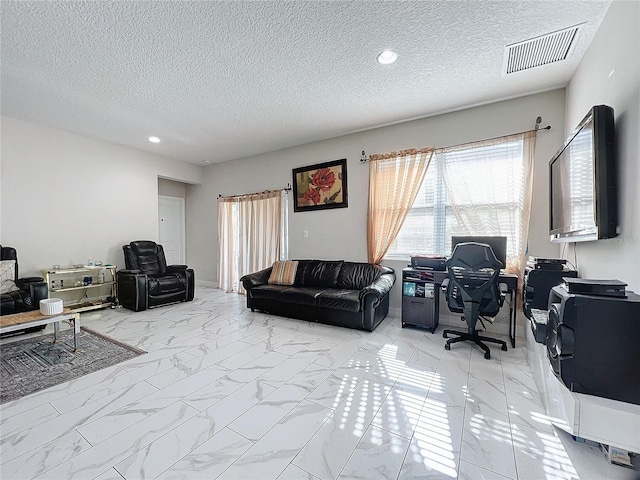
(20, 321)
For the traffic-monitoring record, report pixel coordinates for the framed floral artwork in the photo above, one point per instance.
(320, 186)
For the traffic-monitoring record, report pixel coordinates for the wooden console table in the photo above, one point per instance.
(21, 321)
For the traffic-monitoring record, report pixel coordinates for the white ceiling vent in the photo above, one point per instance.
(542, 50)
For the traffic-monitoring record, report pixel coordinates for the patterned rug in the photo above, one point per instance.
(36, 363)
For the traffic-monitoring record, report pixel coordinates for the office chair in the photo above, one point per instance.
(472, 288)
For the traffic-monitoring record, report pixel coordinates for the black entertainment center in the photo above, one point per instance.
(583, 344)
(593, 326)
(540, 276)
(592, 342)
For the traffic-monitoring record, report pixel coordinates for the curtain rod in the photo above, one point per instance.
(537, 127)
(285, 189)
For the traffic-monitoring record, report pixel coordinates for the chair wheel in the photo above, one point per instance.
(504, 348)
(487, 356)
(447, 346)
(444, 335)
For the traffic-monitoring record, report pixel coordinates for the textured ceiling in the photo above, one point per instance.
(223, 80)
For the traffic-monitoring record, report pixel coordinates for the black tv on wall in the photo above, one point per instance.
(583, 196)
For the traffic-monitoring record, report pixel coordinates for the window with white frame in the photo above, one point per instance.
(473, 189)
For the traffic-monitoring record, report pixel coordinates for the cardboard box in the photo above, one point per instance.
(615, 455)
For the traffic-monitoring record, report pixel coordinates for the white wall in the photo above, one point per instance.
(1, 184)
(202, 233)
(66, 197)
(171, 188)
(341, 233)
(609, 74)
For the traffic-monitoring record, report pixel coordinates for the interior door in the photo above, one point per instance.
(171, 228)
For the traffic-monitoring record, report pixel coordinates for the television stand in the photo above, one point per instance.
(602, 420)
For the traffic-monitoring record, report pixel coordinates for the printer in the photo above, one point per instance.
(429, 262)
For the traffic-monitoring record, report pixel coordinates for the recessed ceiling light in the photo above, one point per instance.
(207, 161)
(154, 139)
(387, 57)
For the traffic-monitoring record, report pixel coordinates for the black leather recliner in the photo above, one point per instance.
(31, 289)
(148, 281)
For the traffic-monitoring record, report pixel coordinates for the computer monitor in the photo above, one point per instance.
(497, 244)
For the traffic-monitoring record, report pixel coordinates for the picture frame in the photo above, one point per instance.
(320, 186)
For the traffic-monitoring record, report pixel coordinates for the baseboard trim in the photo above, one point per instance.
(206, 283)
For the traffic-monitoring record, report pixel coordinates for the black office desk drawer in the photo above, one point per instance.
(419, 312)
(420, 301)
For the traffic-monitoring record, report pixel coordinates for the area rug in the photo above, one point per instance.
(36, 363)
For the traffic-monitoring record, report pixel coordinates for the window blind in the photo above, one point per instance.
(473, 189)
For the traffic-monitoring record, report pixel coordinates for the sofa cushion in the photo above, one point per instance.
(339, 299)
(300, 295)
(16, 301)
(283, 272)
(318, 273)
(270, 292)
(356, 275)
(7, 274)
(285, 293)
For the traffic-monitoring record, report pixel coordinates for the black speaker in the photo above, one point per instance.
(537, 285)
(592, 344)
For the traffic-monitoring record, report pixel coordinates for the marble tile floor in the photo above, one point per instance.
(230, 394)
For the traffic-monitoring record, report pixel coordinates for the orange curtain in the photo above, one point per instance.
(394, 181)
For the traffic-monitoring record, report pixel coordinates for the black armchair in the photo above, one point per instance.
(27, 292)
(472, 288)
(148, 281)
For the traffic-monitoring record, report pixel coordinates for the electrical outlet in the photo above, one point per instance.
(305, 233)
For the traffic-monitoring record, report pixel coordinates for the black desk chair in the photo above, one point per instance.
(472, 288)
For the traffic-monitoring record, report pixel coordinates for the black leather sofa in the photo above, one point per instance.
(345, 294)
(30, 289)
(148, 281)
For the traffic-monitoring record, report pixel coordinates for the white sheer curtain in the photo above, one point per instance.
(227, 244)
(250, 236)
(394, 181)
(489, 186)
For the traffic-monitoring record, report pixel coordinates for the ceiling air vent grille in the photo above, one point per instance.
(542, 50)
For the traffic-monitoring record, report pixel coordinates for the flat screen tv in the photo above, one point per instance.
(582, 181)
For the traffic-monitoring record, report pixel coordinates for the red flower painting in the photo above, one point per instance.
(323, 179)
(312, 196)
(320, 186)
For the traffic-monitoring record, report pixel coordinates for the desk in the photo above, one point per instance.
(509, 279)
